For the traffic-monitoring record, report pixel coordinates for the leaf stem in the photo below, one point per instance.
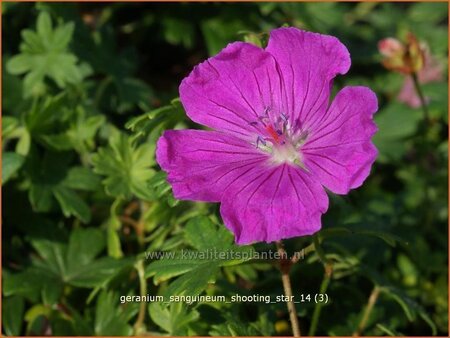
(285, 266)
(367, 311)
(139, 325)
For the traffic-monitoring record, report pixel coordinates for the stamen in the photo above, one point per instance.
(281, 139)
(259, 140)
(299, 163)
(302, 138)
(264, 120)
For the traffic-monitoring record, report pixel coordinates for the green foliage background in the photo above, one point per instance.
(87, 90)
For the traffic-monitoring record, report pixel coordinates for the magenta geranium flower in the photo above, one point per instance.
(276, 141)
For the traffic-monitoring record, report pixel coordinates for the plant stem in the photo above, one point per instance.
(101, 89)
(285, 266)
(328, 266)
(421, 97)
(318, 307)
(368, 310)
(139, 325)
(426, 150)
(319, 250)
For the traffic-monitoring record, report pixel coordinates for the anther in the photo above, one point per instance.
(259, 140)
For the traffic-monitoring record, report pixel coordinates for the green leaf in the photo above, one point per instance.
(32, 42)
(58, 142)
(193, 282)
(52, 181)
(234, 328)
(53, 255)
(81, 178)
(256, 39)
(157, 120)
(44, 25)
(218, 32)
(82, 133)
(11, 163)
(62, 36)
(126, 167)
(160, 314)
(28, 283)
(99, 272)
(174, 319)
(74, 263)
(180, 263)
(44, 54)
(19, 64)
(79, 135)
(429, 12)
(408, 270)
(10, 125)
(178, 31)
(36, 317)
(195, 269)
(386, 330)
(202, 234)
(47, 114)
(385, 236)
(409, 306)
(72, 204)
(24, 143)
(12, 315)
(360, 229)
(390, 139)
(52, 291)
(84, 246)
(132, 92)
(109, 317)
(161, 189)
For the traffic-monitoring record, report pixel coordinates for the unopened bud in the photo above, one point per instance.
(406, 58)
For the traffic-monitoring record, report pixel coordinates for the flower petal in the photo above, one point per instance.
(232, 90)
(308, 63)
(201, 164)
(408, 94)
(339, 151)
(273, 203)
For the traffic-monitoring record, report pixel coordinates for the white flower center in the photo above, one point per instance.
(285, 153)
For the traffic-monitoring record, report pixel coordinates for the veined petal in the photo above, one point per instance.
(308, 63)
(232, 90)
(202, 164)
(273, 203)
(339, 151)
